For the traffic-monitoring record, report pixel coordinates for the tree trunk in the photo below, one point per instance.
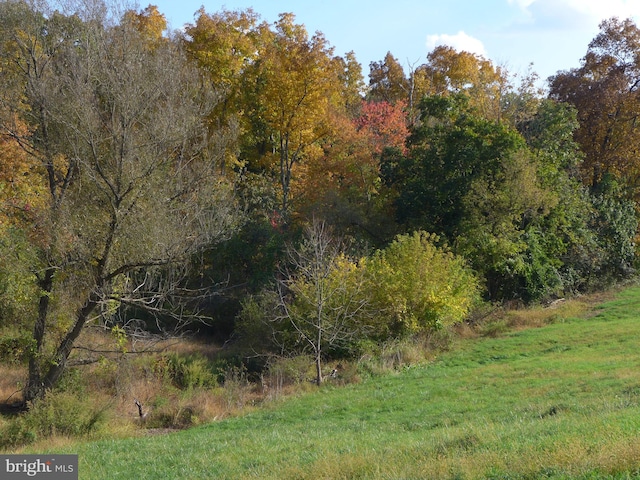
(33, 388)
(318, 348)
(37, 385)
(285, 173)
(318, 368)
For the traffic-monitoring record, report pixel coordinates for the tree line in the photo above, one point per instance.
(240, 175)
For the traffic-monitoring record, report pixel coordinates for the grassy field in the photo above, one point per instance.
(561, 401)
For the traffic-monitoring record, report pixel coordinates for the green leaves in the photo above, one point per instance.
(508, 199)
(332, 303)
(453, 148)
(420, 286)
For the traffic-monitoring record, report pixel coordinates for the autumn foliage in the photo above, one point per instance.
(150, 179)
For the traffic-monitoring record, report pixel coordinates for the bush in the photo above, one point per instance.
(59, 413)
(187, 372)
(290, 370)
(18, 284)
(411, 287)
(616, 224)
(399, 353)
(236, 386)
(15, 350)
(256, 326)
(174, 415)
(419, 286)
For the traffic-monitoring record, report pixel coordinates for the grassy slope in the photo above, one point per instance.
(562, 401)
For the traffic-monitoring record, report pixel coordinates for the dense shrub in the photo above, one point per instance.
(417, 286)
(289, 370)
(413, 286)
(616, 224)
(59, 413)
(17, 280)
(186, 372)
(174, 415)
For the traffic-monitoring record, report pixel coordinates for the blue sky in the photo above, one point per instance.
(551, 34)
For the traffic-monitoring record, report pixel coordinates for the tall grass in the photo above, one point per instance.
(560, 401)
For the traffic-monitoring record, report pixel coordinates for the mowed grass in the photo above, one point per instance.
(560, 401)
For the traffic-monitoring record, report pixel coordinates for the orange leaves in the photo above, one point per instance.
(349, 168)
(605, 92)
(384, 124)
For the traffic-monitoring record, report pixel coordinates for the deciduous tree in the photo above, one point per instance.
(322, 297)
(150, 23)
(353, 86)
(452, 147)
(115, 129)
(509, 207)
(296, 85)
(224, 46)
(449, 72)
(345, 182)
(387, 81)
(605, 89)
(415, 286)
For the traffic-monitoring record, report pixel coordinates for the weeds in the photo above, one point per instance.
(397, 354)
(186, 373)
(60, 413)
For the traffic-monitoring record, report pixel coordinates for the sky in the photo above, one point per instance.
(549, 35)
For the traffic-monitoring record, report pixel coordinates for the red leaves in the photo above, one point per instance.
(384, 123)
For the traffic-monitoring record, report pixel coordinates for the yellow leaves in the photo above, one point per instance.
(387, 81)
(295, 80)
(22, 187)
(449, 71)
(345, 265)
(411, 286)
(224, 44)
(423, 286)
(149, 22)
(120, 337)
(280, 82)
(455, 72)
(296, 90)
(14, 164)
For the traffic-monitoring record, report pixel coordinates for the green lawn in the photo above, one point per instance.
(562, 401)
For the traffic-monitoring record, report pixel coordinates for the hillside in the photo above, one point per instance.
(561, 401)
(239, 182)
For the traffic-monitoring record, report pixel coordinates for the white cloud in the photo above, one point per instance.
(581, 11)
(600, 9)
(521, 3)
(460, 41)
